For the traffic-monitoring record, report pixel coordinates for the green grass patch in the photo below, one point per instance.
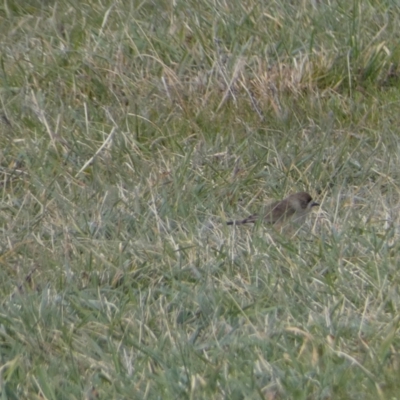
(130, 132)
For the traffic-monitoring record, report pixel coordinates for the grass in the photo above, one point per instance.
(130, 131)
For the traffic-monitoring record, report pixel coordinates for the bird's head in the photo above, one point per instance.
(302, 202)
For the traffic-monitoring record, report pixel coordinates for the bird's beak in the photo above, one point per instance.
(314, 204)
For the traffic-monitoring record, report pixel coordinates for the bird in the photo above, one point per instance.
(296, 207)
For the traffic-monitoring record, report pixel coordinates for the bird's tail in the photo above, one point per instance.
(249, 220)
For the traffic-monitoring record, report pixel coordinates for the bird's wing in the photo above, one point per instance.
(279, 212)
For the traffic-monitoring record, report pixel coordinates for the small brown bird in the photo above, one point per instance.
(296, 207)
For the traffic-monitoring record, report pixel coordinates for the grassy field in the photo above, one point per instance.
(131, 131)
